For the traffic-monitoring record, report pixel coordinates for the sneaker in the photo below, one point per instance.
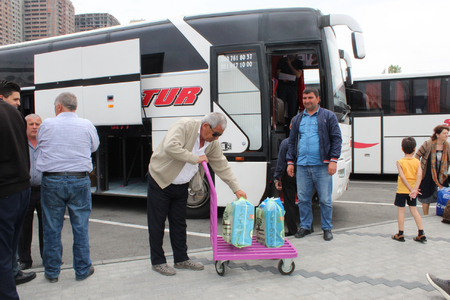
(164, 269)
(189, 264)
(443, 286)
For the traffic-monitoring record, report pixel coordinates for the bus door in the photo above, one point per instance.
(367, 129)
(106, 80)
(240, 91)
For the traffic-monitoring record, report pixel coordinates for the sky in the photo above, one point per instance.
(408, 33)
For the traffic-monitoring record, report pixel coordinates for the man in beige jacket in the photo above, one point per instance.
(175, 161)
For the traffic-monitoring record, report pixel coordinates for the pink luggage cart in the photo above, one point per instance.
(224, 252)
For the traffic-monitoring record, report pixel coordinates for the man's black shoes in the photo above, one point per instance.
(327, 235)
(24, 266)
(302, 232)
(51, 280)
(91, 271)
(22, 277)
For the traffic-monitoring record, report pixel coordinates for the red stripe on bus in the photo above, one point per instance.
(363, 145)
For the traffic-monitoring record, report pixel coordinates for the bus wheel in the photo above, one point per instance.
(198, 203)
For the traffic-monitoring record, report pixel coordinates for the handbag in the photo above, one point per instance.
(196, 187)
(446, 213)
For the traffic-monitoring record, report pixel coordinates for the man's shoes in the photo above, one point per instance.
(443, 286)
(302, 232)
(22, 277)
(91, 271)
(189, 264)
(327, 235)
(164, 269)
(24, 266)
(51, 280)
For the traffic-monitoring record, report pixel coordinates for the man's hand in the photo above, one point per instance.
(240, 194)
(278, 185)
(332, 166)
(202, 158)
(290, 170)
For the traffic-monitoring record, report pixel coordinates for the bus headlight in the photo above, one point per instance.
(341, 173)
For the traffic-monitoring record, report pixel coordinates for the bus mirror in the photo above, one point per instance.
(359, 50)
(349, 79)
(344, 55)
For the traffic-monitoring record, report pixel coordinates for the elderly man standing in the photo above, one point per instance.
(26, 236)
(66, 144)
(14, 188)
(173, 164)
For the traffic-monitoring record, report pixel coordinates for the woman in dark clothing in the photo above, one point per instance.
(434, 156)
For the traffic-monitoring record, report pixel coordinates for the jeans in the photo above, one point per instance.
(12, 213)
(309, 177)
(57, 193)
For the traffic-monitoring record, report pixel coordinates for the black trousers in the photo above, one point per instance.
(12, 213)
(26, 235)
(161, 204)
(289, 94)
(289, 188)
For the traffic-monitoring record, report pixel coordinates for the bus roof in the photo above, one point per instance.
(401, 76)
(153, 22)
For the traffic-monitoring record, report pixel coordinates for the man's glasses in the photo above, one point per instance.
(215, 133)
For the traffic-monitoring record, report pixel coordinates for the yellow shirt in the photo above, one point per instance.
(409, 167)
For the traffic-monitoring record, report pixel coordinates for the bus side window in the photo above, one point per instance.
(152, 63)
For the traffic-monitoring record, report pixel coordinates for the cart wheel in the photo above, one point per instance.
(221, 267)
(285, 269)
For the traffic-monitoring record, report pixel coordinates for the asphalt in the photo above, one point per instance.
(359, 263)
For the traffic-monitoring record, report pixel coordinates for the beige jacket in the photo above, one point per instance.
(176, 149)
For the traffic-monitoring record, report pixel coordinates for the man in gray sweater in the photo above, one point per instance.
(173, 164)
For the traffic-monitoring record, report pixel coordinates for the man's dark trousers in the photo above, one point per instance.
(12, 213)
(161, 203)
(27, 229)
(289, 188)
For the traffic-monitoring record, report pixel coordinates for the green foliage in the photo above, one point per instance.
(392, 69)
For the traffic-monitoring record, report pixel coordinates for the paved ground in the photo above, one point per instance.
(360, 263)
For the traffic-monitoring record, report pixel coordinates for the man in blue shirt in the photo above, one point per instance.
(66, 143)
(314, 148)
(26, 235)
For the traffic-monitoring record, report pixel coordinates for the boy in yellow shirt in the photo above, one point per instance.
(409, 178)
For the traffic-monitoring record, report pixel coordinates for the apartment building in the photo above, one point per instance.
(48, 18)
(84, 22)
(11, 21)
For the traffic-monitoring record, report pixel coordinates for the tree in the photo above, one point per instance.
(393, 69)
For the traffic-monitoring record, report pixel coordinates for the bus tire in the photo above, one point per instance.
(198, 204)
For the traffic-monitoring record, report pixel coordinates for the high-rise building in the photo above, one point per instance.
(47, 18)
(84, 22)
(11, 21)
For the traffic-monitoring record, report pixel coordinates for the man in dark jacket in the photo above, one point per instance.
(14, 188)
(287, 184)
(314, 148)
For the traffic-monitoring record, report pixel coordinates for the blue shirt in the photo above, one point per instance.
(35, 175)
(66, 143)
(308, 145)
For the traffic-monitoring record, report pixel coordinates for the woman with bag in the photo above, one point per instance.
(434, 156)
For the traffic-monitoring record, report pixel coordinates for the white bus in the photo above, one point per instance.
(391, 107)
(134, 81)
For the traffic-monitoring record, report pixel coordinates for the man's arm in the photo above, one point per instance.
(334, 133)
(290, 154)
(176, 139)
(297, 72)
